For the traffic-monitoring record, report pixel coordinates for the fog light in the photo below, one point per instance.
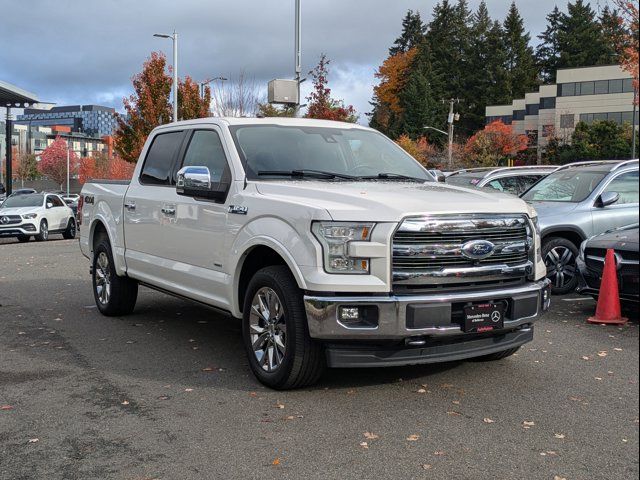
(358, 316)
(546, 298)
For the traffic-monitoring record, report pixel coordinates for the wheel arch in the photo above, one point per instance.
(573, 234)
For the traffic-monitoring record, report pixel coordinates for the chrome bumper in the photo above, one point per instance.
(392, 324)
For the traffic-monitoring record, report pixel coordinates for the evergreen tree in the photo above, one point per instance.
(521, 67)
(580, 39)
(413, 31)
(613, 36)
(548, 52)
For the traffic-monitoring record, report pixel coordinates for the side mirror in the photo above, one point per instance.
(49, 205)
(607, 198)
(441, 178)
(196, 182)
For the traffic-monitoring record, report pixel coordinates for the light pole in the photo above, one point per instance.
(298, 52)
(201, 85)
(174, 38)
(633, 124)
(69, 146)
(450, 142)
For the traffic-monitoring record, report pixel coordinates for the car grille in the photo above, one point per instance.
(626, 261)
(431, 250)
(9, 220)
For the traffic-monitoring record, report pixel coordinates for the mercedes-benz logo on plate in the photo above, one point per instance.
(478, 249)
(4, 220)
(495, 316)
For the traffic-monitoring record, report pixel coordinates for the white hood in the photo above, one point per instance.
(386, 201)
(19, 210)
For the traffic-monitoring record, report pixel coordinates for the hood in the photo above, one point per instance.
(621, 239)
(389, 201)
(18, 210)
(552, 209)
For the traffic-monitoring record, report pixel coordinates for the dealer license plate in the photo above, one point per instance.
(483, 317)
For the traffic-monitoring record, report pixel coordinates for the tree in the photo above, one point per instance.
(494, 144)
(521, 68)
(104, 167)
(580, 39)
(190, 105)
(237, 98)
(25, 167)
(321, 104)
(53, 161)
(614, 36)
(420, 149)
(147, 108)
(413, 31)
(629, 42)
(548, 51)
(270, 110)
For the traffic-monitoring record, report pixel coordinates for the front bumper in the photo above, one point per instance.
(589, 282)
(406, 317)
(22, 229)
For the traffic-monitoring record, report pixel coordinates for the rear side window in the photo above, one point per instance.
(162, 153)
(205, 150)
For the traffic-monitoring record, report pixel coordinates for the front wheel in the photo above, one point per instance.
(275, 332)
(560, 257)
(43, 236)
(114, 295)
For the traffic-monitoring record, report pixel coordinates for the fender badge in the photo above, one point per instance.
(238, 209)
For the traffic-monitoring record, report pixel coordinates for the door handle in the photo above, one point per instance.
(168, 210)
(131, 206)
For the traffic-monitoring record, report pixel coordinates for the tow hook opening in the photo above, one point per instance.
(415, 341)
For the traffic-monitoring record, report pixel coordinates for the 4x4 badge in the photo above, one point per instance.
(238, 209)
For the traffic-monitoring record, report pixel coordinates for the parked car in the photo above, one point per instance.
(72, 203)
(514, 180)
(332, 244)
(36, 214)
(23, 191)
(576, 202)
(624, 242)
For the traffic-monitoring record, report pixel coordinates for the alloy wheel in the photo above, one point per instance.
(561, 266)
(103, 278)
(72, 228)
(44, 231)
(267, 329)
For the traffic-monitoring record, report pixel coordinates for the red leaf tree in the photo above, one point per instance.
(104, 167)
(495, 143)
(629, 43)
(53, 161)
(190, 105)
(321, 104)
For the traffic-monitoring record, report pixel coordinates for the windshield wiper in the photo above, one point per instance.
(392, 176)
(305, 173)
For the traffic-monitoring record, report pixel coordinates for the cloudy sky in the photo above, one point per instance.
(85, 51)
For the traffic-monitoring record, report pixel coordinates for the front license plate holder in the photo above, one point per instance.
(483, 317)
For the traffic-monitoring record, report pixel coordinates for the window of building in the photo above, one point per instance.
(600, 117)
(625, 185)
(518, 114)
(615, 117)
(532, 109)
(615, 86)
(627, 85)
(567, 89)
(586, 88)
(547, 103)
(602, 86)
(567, 120)
(160, 158)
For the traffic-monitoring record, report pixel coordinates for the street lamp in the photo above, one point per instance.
(201, 85)
(449, 143)
(174, 38)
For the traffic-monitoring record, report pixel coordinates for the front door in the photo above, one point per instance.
(625, 210)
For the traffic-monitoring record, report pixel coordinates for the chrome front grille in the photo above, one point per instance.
(433, 250)
(9, 220)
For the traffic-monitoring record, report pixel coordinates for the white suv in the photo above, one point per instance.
(37, 215)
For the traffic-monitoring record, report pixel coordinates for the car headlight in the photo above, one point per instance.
(536, 226)
(335, 238)
(29, 216)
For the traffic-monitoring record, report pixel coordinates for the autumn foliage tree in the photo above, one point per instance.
(629, 42)
(102, 166)
(419, 149)
(190, 104)
(495, 143)
(53, 162)
(321, 104)
(25, 167)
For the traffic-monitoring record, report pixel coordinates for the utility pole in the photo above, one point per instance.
(9, 153)
(298, 53)
(450, 119)
(68, 147)
(633, 124)
(174, 38)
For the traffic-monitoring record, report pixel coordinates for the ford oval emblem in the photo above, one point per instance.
(478, 249)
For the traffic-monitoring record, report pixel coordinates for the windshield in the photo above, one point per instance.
(23, 201)
(565, 186)
(274, 151)
(463, 180)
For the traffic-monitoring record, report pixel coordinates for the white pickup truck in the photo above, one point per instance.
(334, 246)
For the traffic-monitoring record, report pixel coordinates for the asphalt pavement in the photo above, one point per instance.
(166, 393)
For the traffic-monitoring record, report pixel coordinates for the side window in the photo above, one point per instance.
(626, 185)
(505, 184)
(160, 157)
(205, 150)
(49, 201)
(525, 182)
(57, 202)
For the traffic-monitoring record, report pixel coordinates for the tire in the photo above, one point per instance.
(43, 236)
(114, 295)
(23, 238)
(492, 357)
(70, 231)
(301, 362)
(560, 257)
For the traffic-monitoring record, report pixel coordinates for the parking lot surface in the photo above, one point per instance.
(166, 393)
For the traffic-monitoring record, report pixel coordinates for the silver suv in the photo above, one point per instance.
(514, 180)
(577, 201)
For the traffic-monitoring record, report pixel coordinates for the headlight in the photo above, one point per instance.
(536, 226)
(335, 238)
(28, 216)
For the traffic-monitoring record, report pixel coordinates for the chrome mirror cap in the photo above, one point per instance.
(193, 179)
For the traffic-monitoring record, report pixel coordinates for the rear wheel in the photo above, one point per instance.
(70, 231)
(23, 238)
(43, 236)
(114, 295)
(275, 332)
(560, 257)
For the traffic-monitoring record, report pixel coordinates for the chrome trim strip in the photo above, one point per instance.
(485, 272)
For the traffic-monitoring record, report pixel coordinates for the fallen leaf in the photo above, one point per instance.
(447, 385)
(559, 435)
(488, 420)
(454, 414)
(207, 369)
(584, 357)
(279, 405)
(456, 402)
(370, 436)
(125, 402)
(188, 389)
(528, 424)
(351, 392)
(558, 477)
(276, 461)
(163, 397)
(421, 390)
(6, 407)
(438, 453)
(598, 378)
(253, 394)
(364, 444)
(602, 353)
(34, 440)
(426, 466)
(618, 349)
(413, 438)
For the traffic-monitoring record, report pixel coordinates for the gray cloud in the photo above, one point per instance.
(86, 51)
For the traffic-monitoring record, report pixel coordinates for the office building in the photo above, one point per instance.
(93, 120)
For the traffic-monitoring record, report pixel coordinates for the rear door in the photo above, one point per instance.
(57, 214)
(625, 210)
(144, 222)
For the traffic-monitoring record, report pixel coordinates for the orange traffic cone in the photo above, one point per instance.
(608, 309)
